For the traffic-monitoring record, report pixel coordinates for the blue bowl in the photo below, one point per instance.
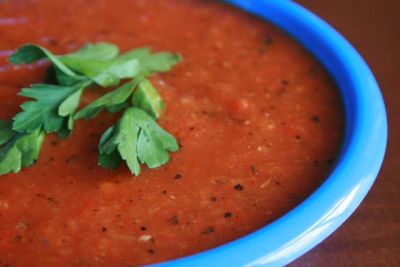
(358, 164)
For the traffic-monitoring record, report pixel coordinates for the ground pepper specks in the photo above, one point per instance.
(238, 187)
(208, 230)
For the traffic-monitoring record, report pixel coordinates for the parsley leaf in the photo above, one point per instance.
(147, 98)
(53, 106)
(18, 150)
(96, 61)
(6, 131)
(98, 51)
(143, 94)
(136, 139)
(108, 72)
(104, 72)
(152, 62)
(110, 100)
(30, 53)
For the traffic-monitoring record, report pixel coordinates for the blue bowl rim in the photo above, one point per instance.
(358, 164)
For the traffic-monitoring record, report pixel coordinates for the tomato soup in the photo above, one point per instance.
(259, 123)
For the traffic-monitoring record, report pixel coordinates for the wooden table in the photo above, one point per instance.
(371, 236)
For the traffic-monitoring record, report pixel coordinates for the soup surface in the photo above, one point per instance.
(258, 120)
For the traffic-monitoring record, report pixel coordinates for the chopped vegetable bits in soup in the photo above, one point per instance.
(258, 121)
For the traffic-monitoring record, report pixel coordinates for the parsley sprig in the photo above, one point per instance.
(53, 109)
(18, 150)
(136, 138)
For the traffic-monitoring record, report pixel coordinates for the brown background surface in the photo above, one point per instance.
(371, 236)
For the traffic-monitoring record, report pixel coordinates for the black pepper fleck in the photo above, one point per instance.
(178, 176)
(268, 40)
(208, 230)
(213, 199)
(52, 200)
(103, 229)
(238, 187)
(315, 119)
(228, 215)
(151, 251)
(174, 220)
(143, 228)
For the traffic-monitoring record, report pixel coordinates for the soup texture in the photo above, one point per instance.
(258, 120)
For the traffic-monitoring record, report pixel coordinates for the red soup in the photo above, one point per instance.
(258, 119)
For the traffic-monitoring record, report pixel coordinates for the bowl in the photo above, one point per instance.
(358, 163)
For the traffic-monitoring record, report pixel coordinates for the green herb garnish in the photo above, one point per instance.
(18, 150)
(136, 138)
(54, 107)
